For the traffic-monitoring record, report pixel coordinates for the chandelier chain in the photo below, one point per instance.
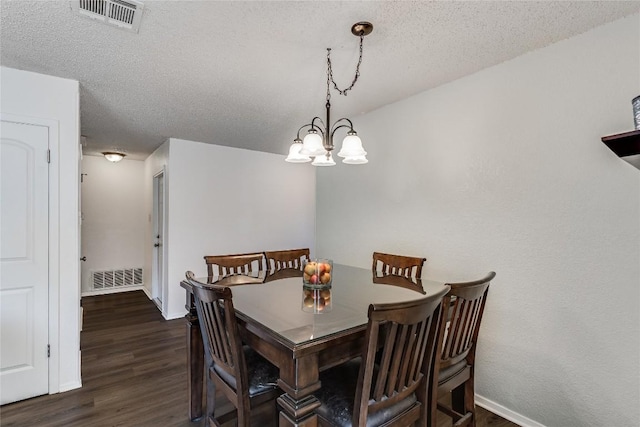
(330, 72)
(328, 78)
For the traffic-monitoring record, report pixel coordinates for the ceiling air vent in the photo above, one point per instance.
(119, 13)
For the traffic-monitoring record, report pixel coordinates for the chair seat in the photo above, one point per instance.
(337, 394)
(449, 372)
(263, 376)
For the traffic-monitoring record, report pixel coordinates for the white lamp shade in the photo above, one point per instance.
(294, 154)
(325, 159)
(113, 157)
(312, 145)
(352, 147)
(355, 160)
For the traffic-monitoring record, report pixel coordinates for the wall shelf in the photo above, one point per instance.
(624, 144)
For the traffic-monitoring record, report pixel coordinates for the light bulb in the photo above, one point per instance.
(352, 146)
(325, 159)
(294, 153)
(312, 145)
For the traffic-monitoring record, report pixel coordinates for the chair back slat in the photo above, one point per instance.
(397, 265)
(398, 350)
(421, 348)
(404, 376)
(287, 259)
(218, 340)
(474, 312)
(409, 336)
(460, 314)
(385, 362)
(224, 265)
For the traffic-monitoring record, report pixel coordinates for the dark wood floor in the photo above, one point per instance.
(133, 373)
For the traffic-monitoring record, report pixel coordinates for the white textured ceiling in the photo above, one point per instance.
(248, 74)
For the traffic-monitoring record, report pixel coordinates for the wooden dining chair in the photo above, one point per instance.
(246, 378)
(398, 390)
(465, 302)
(397, 265)
(223, 265)
(287, 259)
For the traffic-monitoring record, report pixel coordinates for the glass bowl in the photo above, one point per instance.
(317, 273)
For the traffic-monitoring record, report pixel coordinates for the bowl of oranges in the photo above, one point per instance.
(317, 273)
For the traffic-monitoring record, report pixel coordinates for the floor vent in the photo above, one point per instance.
(119, 13)
(116, 278)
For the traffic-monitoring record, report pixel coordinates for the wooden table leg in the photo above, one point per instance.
(195, 365)
(299, 379)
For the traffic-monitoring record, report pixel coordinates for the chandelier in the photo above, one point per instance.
(318, 143)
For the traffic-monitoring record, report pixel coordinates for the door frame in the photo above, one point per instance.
(159, 288)
(54, 240)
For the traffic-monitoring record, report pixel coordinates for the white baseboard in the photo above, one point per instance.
(148, 292)
(506, 413)
(112, 291)
(70, 386)
(174, 315)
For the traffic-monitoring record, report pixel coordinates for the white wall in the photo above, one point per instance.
(114, 216)
(226, 200)
(504, 170)
(52, 98)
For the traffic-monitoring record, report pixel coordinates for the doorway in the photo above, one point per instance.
(157, 274)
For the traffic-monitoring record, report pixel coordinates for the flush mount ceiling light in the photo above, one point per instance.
(113, 156)
(318, 142)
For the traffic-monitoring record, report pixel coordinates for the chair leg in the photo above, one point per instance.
(462, 405)
(211, 398)
(210, 387)
(457, 399)
(276, 412)
(429, 416)
(243, 418)
(469, 400)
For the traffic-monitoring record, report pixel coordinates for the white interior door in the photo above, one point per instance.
(24, 258)
(158, 236)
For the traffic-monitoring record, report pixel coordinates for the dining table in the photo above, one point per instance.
(301, 330)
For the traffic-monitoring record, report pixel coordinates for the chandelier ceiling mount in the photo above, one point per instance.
(361, 28)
